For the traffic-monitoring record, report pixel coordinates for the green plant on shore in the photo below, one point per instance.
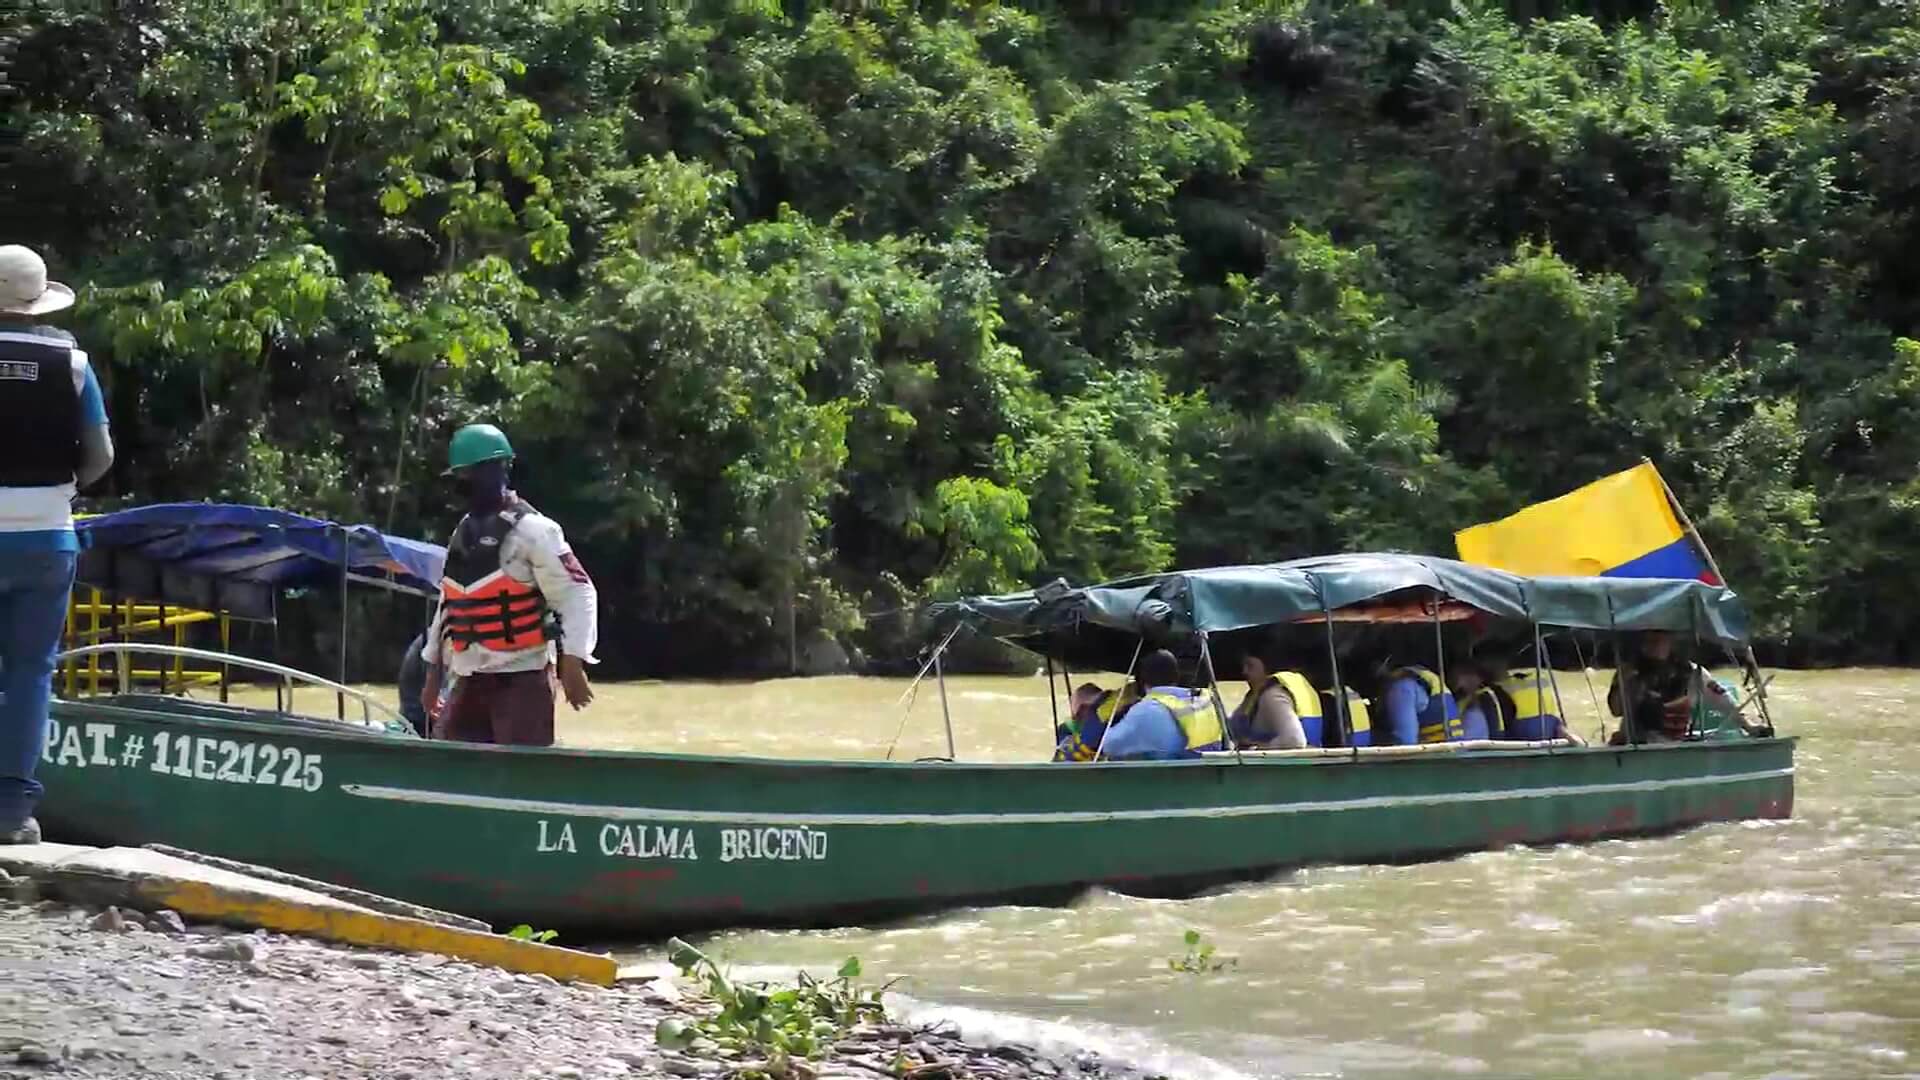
(782, 1022)
(523, 932)
(1201, 958)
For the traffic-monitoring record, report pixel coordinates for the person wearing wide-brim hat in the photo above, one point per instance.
(515, 603)
(53, 440)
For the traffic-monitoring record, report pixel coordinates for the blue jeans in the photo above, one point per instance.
(34, 588)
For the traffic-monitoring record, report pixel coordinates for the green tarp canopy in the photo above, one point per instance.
(1105, 621)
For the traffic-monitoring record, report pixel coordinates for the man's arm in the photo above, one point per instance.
(1149, 733)
(1403, 710)
(430, 654)
(1284, 729)
(96, 439)
(570, 593)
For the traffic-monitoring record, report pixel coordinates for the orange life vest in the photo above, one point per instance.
(479, 603)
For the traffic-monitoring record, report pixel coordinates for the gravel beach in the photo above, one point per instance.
(112, 993)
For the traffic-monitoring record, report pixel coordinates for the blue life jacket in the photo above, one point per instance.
(1085, 732)
(1440, 720)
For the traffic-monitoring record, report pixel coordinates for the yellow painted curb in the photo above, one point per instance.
(358, 926)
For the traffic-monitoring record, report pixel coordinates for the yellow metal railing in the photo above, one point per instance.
(94, 620)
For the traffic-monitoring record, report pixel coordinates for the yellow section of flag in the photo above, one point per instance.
(1607, 524)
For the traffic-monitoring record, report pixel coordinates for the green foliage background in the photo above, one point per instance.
(804, 314)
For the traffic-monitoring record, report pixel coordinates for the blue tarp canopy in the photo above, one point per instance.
(236, 559)
(1100, 625)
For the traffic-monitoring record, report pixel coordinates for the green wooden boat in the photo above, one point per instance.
(642, 843)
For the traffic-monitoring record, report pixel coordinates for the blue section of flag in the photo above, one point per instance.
(1676, 560)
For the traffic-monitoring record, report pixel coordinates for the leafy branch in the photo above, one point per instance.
(781, 1022)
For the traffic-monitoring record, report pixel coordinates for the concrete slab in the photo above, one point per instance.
(31, 860)
(150, 880)
(371, 901)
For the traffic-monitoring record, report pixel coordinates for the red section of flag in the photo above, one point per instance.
(574, 569)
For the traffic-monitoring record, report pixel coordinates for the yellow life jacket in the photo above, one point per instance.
(1076, 746)
(1440, 720)
(1534, 717)
(1306, 704)
(1198, 719)
(1491, 701)
(1358, 719)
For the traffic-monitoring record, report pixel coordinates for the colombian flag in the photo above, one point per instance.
(1618, 526)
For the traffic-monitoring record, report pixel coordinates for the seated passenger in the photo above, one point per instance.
(1090, 713)
(1169, 721)
(1532, 710)
(1359, 719)
(1671, 696)
(1484, 711)
(1420, 709)
(1518, 703)
(1280, 712)
(1661, 685)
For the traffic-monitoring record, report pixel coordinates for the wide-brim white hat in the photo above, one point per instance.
(24, 288)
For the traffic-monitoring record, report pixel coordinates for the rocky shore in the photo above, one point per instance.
(112, 993)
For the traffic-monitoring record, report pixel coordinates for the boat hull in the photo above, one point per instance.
(636, 843)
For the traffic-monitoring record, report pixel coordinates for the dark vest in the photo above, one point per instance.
(39, 409)
(480, 605)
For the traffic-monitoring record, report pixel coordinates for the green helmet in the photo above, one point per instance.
(476, 443)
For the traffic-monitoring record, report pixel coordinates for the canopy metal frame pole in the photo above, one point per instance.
(1539, 662)
(1333, 661)
(1587, 674)
(161, 633)
(1752, 662)
(1108, 730)
(1697, 676)
(126, 631)
(273, 643)
(913, 688)
(346, 572)
(1219, 707)
(946, 714)
(1053, 700)
(1066, 689)
(226, 643)
(1629, 725)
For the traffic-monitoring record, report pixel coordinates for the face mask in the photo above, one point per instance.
(484, 487)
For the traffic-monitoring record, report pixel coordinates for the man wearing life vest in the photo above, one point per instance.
(1359, 719)
(1280, 712)
(54, 440)
(1420, 709)
(512, 598)
(1091, 712)
(1516, 703)
(1483, 706)
(1661, 686)
(1169, 721)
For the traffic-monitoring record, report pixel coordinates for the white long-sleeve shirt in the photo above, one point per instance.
(535, 553)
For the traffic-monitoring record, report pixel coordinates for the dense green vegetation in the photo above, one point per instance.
(802, 316)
